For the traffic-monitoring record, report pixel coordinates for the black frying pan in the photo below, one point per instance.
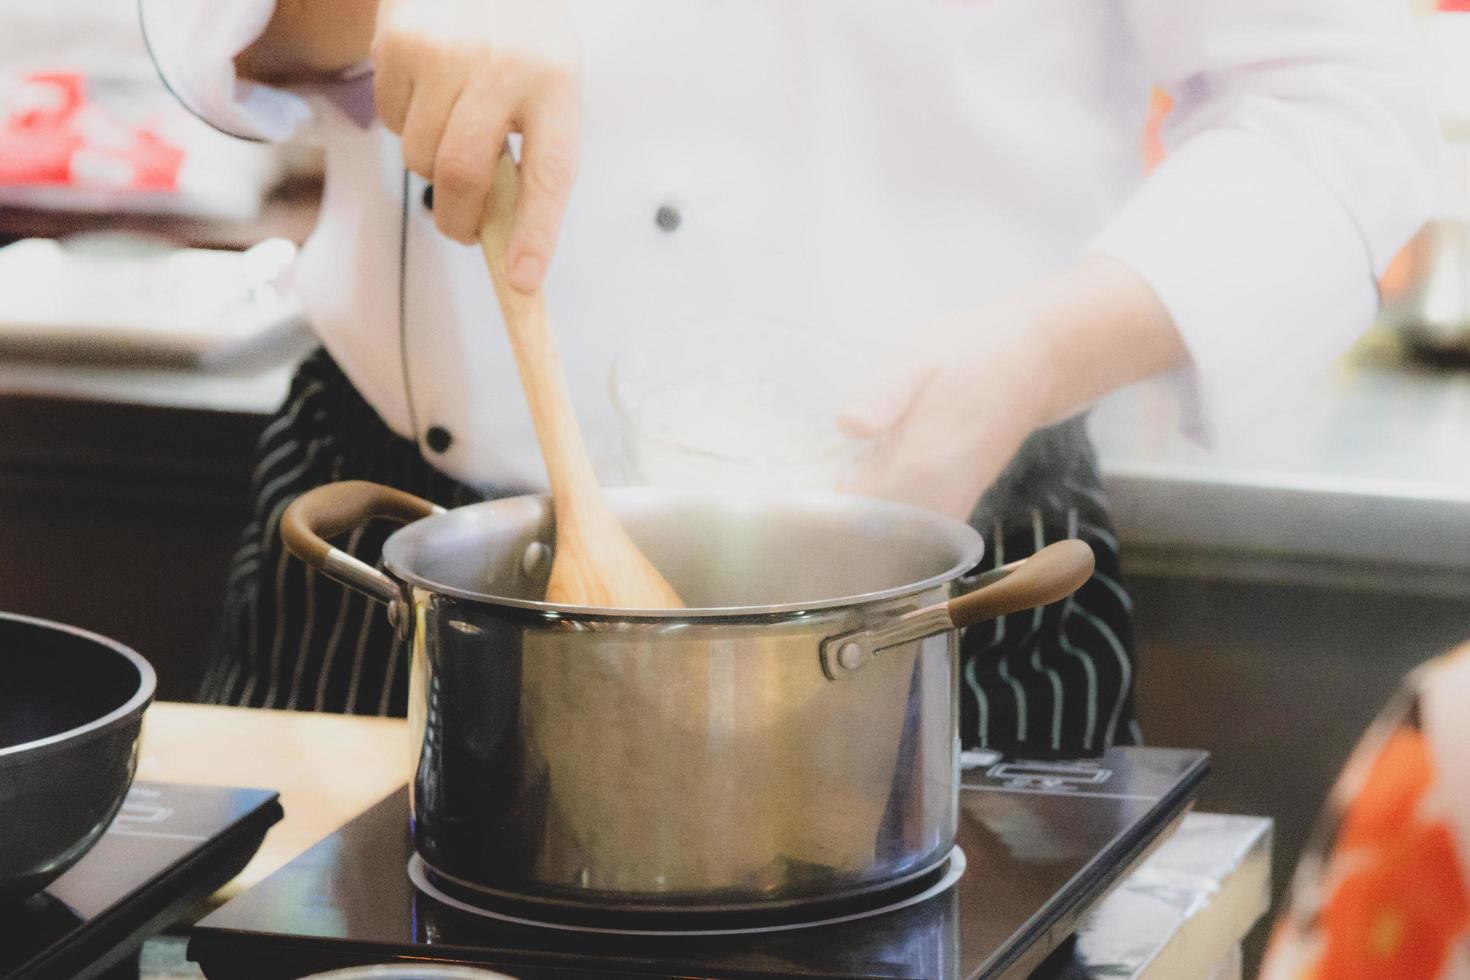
(71, 710)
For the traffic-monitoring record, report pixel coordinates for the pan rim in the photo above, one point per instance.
(139, 700)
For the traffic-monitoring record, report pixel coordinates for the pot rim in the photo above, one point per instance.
(135, 704)
(969, 542)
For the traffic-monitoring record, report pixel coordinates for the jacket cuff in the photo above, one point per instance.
(1264, 271)
(193, 43)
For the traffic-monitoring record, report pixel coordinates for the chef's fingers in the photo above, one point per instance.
(549, 152)
(922, 460)
(464, 168)
(434, 98)
(878, 470)
(392, 85)
(885, 404)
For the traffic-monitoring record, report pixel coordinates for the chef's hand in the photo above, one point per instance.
(453, 77)
(944, 420)
(970, 388)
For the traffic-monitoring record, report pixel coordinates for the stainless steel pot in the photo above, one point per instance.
(791, 736)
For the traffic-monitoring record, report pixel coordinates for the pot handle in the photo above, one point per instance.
(337, 508)
(1048, 576)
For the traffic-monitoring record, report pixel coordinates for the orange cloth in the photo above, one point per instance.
(1383, 893)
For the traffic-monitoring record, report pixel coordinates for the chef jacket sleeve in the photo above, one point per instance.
(1302, 143)
(194, 44)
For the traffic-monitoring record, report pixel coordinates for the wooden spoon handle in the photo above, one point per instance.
(596, 563)
(568, 467)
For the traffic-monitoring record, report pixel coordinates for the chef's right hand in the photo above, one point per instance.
(452, 78)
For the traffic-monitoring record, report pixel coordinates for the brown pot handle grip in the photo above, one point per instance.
(337, 508)
(1050, 575)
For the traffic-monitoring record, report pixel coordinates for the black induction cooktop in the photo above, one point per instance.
(168, 848)
(1043, 842)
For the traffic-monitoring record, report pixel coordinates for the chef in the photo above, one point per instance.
(950, 190)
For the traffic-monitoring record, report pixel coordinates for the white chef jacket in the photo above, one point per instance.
(853, 167)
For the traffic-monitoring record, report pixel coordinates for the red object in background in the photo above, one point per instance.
(1454, 6)
(51, 136)
(36, 134)
(156, 162)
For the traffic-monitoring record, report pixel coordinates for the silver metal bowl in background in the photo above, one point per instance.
(1426, 293)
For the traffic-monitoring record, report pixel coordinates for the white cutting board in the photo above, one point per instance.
(117, 299)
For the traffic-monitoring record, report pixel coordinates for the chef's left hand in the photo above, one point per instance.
(971, 387)
(948, 416)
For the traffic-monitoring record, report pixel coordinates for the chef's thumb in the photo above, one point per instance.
(882, 407)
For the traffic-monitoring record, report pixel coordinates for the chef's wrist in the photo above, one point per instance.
(1099, 327)
(306, 42)
(1027, 357)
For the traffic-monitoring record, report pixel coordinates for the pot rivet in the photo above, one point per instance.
(535, 560)
(850, 656)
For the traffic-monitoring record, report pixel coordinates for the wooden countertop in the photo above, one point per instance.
(327, 768)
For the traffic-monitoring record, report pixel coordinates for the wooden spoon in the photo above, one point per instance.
(596, 563)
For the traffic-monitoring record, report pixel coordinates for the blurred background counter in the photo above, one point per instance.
(1285, 582)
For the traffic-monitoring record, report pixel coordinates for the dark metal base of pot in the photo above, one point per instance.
(564, 907)
(747, 920)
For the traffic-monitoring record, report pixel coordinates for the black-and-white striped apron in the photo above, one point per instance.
(1054, 681)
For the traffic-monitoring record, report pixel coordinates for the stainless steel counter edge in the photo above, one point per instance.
(1265, 514)
(1370, 467)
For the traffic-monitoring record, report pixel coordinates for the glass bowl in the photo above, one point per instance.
(746, 404)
